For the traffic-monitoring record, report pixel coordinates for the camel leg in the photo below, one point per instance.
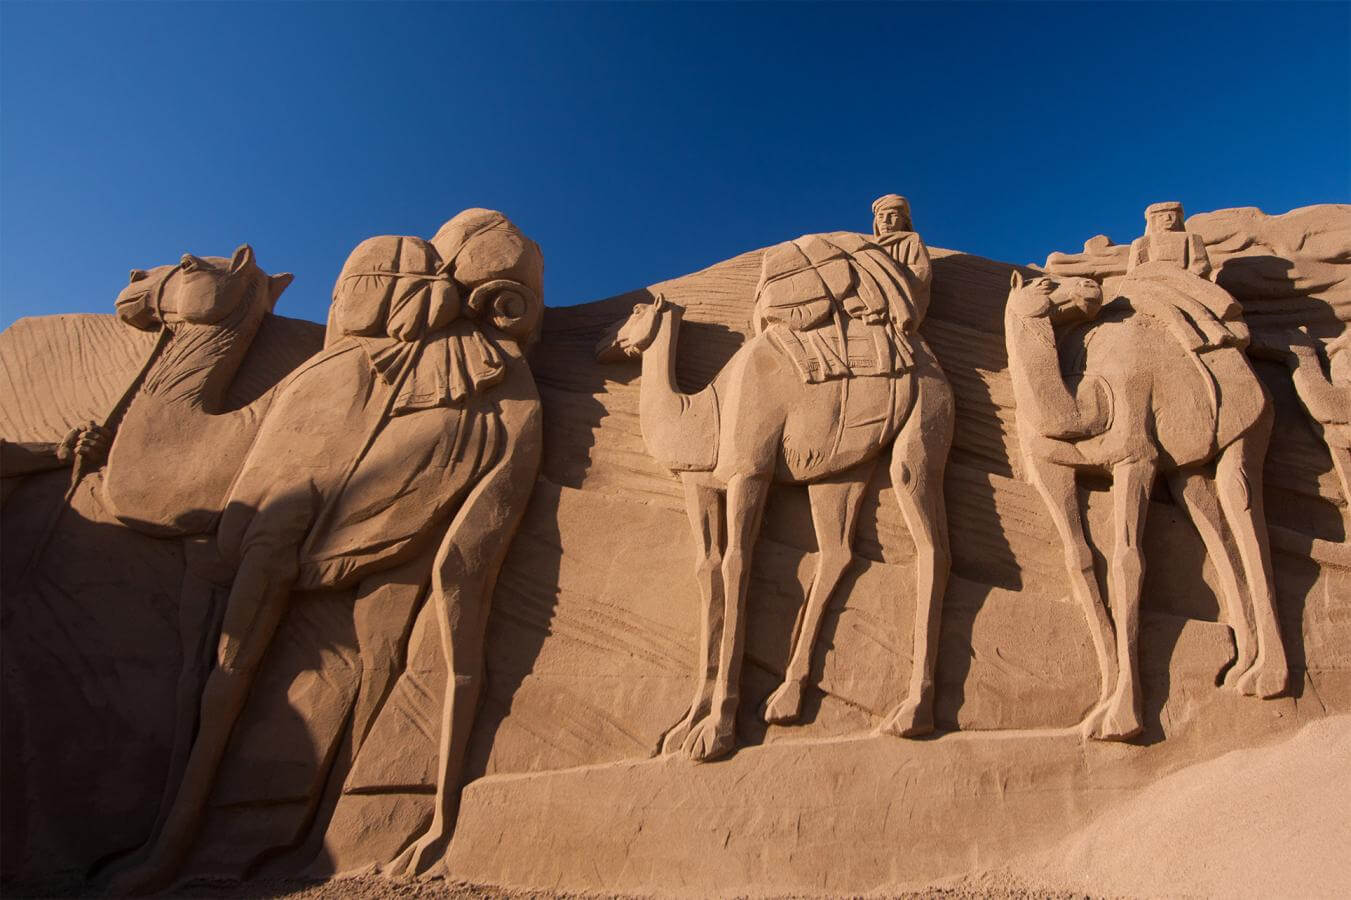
(464, 575)
(384, 611)
(257, 602)
(917, 463)
(197, 633)
(835, 503)
(197, 606)
(703, 504)
(715, 735)
(1057, 486)
(1131, 483)
(1341, 462)
(1238, 475)
(1196, 493)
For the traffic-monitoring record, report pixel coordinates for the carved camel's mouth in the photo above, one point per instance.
(614, 345)
(135, 306)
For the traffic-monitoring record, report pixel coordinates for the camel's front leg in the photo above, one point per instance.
(464, 575)
(257, 602)
(1058, 489)
(1131, 483)
(715, 735)
(703, 504)
(917, 464)
(835, 504)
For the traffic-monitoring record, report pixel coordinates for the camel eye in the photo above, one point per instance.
(137, 275)
(190, 263)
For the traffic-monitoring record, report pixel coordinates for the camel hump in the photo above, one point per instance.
(1153, 382)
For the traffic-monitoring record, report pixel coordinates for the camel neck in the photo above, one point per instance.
(199, 362)
(659, 358)
(1038, 387)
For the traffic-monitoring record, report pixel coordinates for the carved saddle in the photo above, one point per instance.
(838, 306)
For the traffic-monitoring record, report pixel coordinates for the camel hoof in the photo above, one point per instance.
(140, 881)
(1091, 727)
(911, 720)
(784, 706)
(1118, 725)
(420, 857)
(1264, 681)
(707, 741)
(1233, 677)
(674, 740)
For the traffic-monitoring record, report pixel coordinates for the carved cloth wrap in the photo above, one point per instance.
(837, 305)
(1153, 285)
(397, 297)
(354, 487)
(379, 436)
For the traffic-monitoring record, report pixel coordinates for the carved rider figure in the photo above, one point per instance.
(1167, 240)
(894, 231)
(1200, 314)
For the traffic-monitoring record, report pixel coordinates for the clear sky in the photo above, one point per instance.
(637, 142)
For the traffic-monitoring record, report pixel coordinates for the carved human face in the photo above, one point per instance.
(1163, 220)
(891, 220)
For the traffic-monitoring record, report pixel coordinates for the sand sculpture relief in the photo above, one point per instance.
(417, 592)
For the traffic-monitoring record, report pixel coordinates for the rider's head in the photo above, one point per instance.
(1163, 217)
(891, 213)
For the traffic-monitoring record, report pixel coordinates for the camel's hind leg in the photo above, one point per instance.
(918, 460)
(703, 505)
(715, 735)
(1057, 486)
(1194, 490)
(1238, 476)
(835, 504)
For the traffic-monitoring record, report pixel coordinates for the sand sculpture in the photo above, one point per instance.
(835, 374)
(383, 596)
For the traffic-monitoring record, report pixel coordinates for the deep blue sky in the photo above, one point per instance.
(637, 142)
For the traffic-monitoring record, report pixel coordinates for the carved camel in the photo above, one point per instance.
(765, 425)
(1141, 406)
(178, 447)
(311, 507)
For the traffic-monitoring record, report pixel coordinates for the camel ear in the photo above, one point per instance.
(660, 302)
(242, 259)
(278, 283)
(1015, 280)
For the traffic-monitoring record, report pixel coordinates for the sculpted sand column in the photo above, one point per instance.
(834, 374)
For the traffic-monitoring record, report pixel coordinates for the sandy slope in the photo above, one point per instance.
(1274, 821)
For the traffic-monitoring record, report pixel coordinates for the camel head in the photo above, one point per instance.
(200, 290)
(629, 338)
(1062, 300)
